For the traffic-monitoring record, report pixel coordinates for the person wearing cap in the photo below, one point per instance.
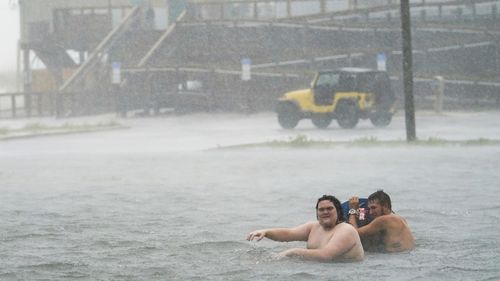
(328, 238)
(387, 231)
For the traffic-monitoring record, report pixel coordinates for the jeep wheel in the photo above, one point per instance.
(347, 115)
(381, 119)
(321, 121)
(288, 116)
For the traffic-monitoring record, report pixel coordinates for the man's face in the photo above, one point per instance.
(376, 210)
(326, 213)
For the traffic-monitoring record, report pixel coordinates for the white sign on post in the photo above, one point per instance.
(381, 62)
(246, 64)
(116, 72)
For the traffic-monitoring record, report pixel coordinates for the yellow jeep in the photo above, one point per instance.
(346, 94)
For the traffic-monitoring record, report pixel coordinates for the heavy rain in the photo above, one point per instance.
(144, 140)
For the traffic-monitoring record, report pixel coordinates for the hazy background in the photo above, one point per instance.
(9, 29)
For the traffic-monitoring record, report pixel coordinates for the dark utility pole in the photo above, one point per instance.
(408, 71)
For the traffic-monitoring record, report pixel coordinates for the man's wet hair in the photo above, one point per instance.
(336, 204)
(382, 197)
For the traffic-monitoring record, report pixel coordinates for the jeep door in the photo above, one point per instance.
(324, 88)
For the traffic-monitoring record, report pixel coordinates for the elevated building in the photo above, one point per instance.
(105, 55)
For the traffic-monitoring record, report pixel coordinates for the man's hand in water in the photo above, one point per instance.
(257, 235)
(294, 252)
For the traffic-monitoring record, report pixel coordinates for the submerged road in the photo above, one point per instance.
(205, 131)
(149, 203)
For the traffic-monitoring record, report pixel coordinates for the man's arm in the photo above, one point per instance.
(341, 242)
(353, 221)
(353, 205)
(298, 233)
(374, 227)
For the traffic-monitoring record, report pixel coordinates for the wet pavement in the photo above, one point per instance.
(205, 131)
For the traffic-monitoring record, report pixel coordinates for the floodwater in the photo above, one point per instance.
(82, 207)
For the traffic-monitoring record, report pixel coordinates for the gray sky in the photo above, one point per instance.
(9, 30)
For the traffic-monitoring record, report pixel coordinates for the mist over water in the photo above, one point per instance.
(158, 202)
(184, 215)
(9, 28)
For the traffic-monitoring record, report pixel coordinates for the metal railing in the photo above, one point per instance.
(31, 104)
(282, 9)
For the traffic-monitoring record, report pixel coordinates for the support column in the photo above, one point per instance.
(27, 81)
(255, 11)
(423, 15)
(438, 88)
(408, 71)
(81, 56)
(353, 4)
(474, 12)
(497, 56)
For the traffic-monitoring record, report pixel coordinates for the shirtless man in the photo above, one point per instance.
(387, 229)
(328, 238)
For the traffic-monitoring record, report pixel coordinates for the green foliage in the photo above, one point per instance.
(302, 141)
(482, 141)
(433, 141)
(365, 141)
(297, 141)
(36, 128)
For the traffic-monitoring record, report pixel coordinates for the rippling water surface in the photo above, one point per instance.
(185, 216)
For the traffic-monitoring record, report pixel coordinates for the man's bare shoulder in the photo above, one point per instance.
(390, 219)
(307, 227)
(339, 228)
(396, 217)
(312, 224)
(346, 227)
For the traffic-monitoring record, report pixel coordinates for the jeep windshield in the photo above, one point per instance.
(327, 80)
